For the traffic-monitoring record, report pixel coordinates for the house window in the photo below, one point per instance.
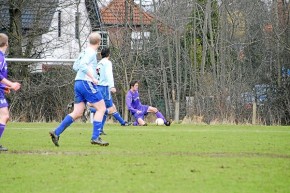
(59, 24)
(105, 39)
(138, 39)
(77, 25)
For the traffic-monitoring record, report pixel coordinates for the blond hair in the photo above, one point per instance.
(94, 38)
(3, 40)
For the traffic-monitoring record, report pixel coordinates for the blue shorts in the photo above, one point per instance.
(86, 91)
(106, 95)
(3, 101)
(144, 109)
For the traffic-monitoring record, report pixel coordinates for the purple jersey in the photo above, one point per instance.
(133, 101)
(3, 70)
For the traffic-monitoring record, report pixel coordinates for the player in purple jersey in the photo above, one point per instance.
(5, 86)
(137, 109)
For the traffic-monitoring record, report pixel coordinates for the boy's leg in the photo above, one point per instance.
(2, 128)
(97, 124)
(117, 116)
(103, 123)
(159, 115)
(108, 104)
(139, 119)
(67, 121)
(4, 117)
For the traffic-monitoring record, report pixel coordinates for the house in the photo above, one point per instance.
(72, 22)
(123, 17)
(63, 26)
(36, 17)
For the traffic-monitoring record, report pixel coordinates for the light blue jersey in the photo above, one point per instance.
(105, 73)
(86, 61)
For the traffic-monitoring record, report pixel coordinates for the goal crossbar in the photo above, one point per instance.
(38, 60)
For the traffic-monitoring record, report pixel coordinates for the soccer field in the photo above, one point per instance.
(152, 159)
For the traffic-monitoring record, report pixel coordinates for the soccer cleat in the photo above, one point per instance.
(126, 124)
(3, 148)
(54, 138)
(145, 124)
(99, 141)
(167, 123)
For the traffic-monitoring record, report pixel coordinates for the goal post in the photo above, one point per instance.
(40, 65)
(39, 60)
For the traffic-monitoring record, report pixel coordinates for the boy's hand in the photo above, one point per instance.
(113, 90)
(7, 90)
(95, 81)
(15, 86)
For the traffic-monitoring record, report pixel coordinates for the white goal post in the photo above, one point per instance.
(39, 60)
(37, 65)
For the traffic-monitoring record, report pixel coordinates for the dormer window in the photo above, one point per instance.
(105, 39)
(138, 39)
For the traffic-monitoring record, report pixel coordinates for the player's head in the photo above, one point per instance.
(105, 52)
(3, 40)
(134, 85)
(95, 39)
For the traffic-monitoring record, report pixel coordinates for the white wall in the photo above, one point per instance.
(67, 46)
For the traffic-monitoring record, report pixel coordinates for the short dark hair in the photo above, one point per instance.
(133, 82)
(105, 52)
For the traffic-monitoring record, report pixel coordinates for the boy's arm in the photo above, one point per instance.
(11, 85)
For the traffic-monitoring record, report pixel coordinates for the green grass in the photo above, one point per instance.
(153, 159)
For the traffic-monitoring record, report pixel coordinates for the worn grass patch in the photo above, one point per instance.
(153, 159)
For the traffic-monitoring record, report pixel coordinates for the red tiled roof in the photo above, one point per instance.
(114, 14)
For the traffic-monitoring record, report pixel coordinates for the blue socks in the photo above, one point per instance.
(104, 120)
(118, 117)
(67, 121)
(97, 127)
(2, 127)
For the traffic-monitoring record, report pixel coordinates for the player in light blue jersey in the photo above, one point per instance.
(85, 89)
(106, 86)
(5, 86)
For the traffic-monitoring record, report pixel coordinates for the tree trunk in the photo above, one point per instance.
(178, 76)
(162, 64)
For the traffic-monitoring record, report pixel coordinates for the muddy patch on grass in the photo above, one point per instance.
(181, 154)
